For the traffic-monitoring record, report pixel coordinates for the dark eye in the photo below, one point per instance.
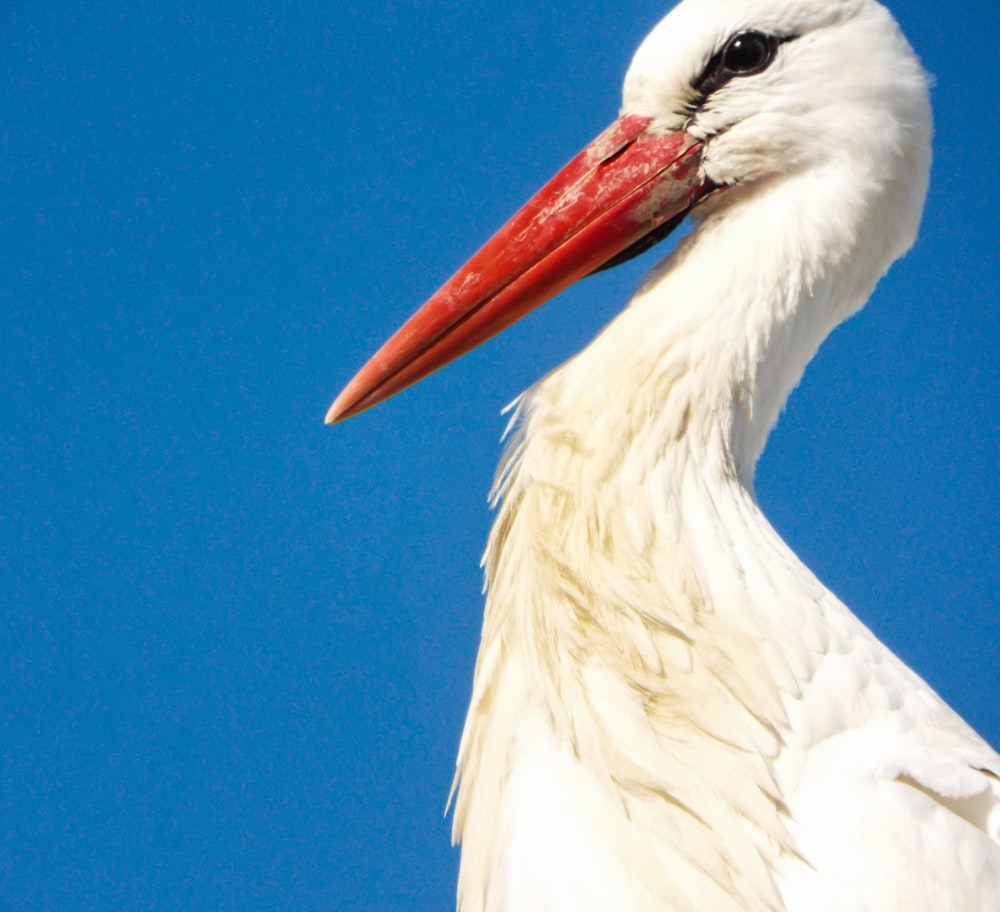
(749, 52)
(743, 55)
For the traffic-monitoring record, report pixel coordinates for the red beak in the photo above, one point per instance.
(627, 183)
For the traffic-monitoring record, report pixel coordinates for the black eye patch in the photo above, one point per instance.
(744, 54)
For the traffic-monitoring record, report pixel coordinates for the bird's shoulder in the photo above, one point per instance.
(888, 790)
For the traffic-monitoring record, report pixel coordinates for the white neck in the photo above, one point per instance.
(639, 603)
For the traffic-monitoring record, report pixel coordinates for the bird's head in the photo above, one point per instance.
(771, 87)
(724, 100)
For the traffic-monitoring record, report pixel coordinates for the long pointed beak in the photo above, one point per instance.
(626, 184)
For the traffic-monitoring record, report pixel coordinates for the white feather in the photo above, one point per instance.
(669, 711)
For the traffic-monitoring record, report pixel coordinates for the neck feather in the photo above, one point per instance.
(642, 614)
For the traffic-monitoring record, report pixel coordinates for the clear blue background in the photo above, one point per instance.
(237, 644)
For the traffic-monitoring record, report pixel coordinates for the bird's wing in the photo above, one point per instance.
(895, 800)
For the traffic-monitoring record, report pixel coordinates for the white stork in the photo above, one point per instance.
(670, 712)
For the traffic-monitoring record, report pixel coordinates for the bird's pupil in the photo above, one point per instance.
(747, 52)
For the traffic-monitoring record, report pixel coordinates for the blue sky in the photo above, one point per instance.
(237, 644)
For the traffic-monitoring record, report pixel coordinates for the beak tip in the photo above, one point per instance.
(354, 398)
(338, 411)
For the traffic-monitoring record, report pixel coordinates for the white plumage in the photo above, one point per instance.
(669, 711)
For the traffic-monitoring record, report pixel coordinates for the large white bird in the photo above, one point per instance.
(670, 712)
